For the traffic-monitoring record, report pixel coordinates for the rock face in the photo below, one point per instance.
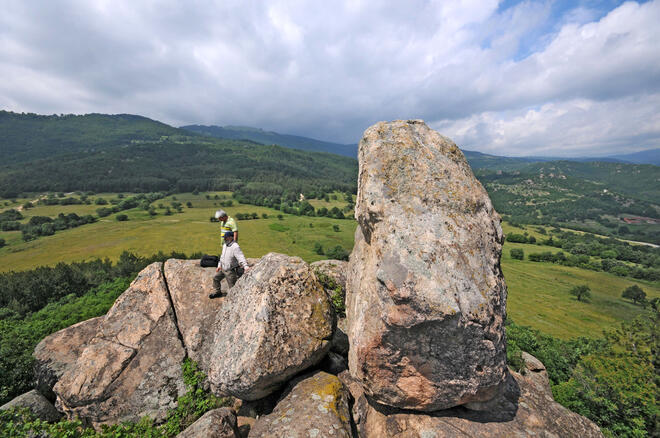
(425, 292)
(316, 406)
(524, 408)
(218, 423)
(275, 322)
(59, 351)
(132, 366)
(190, 285)
(37, 404)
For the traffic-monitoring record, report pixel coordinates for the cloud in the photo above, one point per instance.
(489, 73)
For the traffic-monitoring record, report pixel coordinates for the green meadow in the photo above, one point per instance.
(538, 292)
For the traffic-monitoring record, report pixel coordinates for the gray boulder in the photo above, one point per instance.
(275, 322)
(59, 351)
(37, 404)
(218, 423)
(190, 285)
(132, 366)
(315, 406)
(425, 293)
(523, 407)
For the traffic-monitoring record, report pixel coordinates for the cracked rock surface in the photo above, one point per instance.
(132, 366)
(275, 322)
(58, 352)
(425, 293)
(190, 285)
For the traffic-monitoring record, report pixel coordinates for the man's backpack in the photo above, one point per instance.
(209, 261)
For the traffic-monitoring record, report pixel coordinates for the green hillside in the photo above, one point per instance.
(28, 137)
(268, 138)
(131, 153)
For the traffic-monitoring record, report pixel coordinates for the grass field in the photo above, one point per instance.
(538, 292)
(189, 231)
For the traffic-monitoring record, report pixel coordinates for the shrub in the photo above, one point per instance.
(336, 292)
(517, 254)
(318, 248)
(337, 253)
(2, 243)
(121, 217)
(335, 228)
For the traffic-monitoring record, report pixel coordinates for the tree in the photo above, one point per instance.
(318, 248)
(517, 254)
(337, 253)
(122, 217)
(581, 292)
(634, 293)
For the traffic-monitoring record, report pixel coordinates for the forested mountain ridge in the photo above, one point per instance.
(124, 152)
(267, 137)
(28, 137)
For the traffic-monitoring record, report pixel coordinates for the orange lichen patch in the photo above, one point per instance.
(326, 389)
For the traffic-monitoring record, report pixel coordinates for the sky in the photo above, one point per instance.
(517, 78)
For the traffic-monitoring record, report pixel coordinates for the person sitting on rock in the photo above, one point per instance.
(231, 266)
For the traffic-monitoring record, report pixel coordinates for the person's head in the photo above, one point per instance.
(229, 236)
(221, 215)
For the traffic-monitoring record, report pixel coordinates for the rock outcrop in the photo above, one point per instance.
(37, 404)
(190, 285)
(523, 408)
(59, 351)
(132, 366)
(275, 322)
(218, 423)
(316, 406)
(426, 296)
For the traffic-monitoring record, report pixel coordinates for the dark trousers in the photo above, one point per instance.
(229, 274)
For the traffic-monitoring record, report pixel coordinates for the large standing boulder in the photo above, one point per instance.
(190, 285)
(316, 406)
(132, 366)
(425, 292)
(59, 351)
(275, 322)
(523, 408)
(36, 403)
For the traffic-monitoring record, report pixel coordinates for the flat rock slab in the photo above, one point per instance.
(190, 285)
(425, 293)
(59, 351)
(132, 366)
(218, 423)
(37, 404)
(276, 322)
(524, 409)
(316, 406)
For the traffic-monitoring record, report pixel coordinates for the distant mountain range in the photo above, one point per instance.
(267, 137)
(476, 159)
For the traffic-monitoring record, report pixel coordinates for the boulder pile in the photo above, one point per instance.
(423, 335)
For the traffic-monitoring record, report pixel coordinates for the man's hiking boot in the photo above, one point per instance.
(215, 295)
